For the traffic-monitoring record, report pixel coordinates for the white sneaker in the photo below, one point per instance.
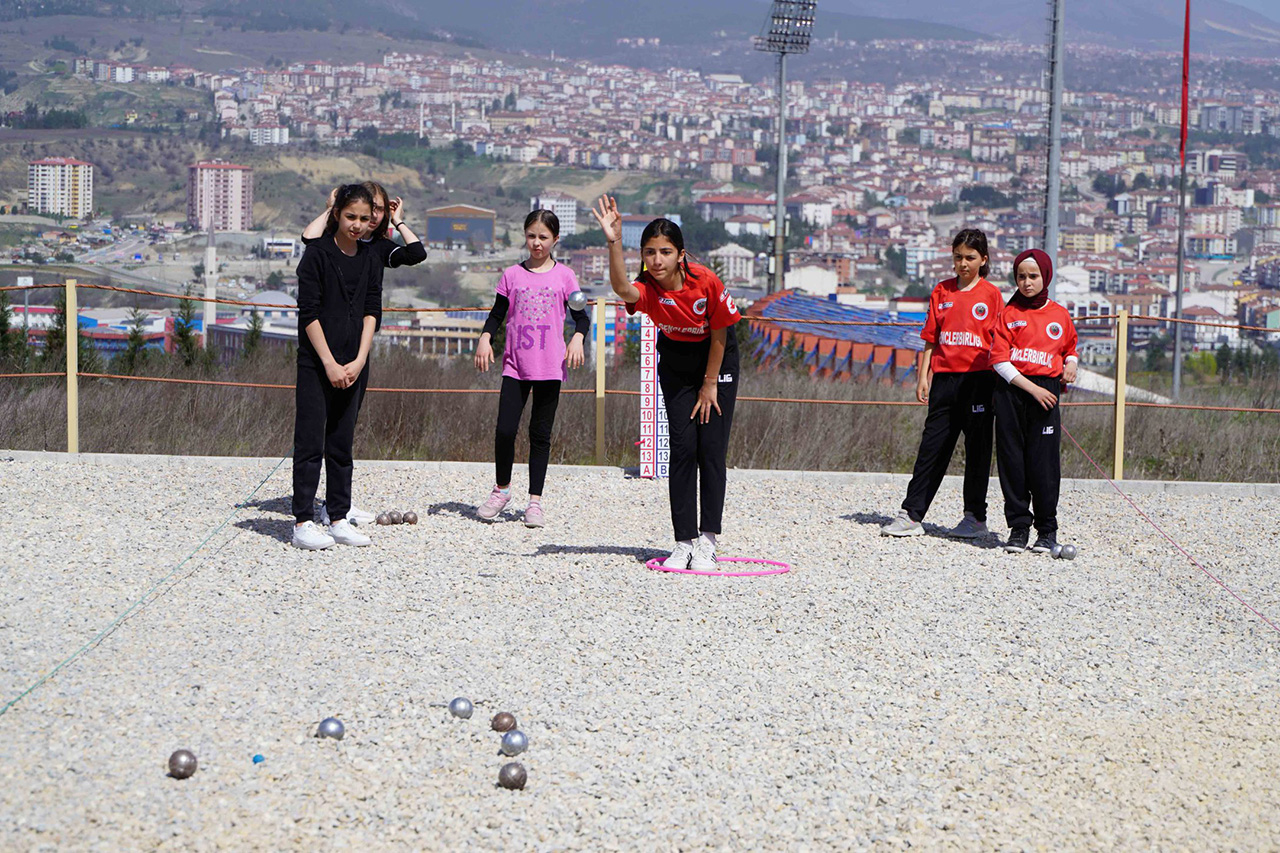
(345, 533)
(704, 555)
(309, 536)
(680, 555)
(354, 515)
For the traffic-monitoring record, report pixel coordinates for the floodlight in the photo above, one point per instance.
(789, 29)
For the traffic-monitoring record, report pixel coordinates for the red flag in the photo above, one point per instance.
(1186, 78)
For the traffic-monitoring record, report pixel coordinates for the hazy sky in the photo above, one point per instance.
(1270, 8)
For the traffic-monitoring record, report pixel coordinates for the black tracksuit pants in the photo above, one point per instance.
(324, 429)
(1028, 455)
(698, 450)
(958, 403)
(511, 400)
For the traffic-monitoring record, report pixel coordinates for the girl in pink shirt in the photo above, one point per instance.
(532, 297)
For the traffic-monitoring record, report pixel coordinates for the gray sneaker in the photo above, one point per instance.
(969, 527)
(902, 526)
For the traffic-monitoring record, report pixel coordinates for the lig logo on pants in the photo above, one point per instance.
(655, 440)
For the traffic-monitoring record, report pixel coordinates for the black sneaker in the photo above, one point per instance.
(1044, 544)
(1018, 538)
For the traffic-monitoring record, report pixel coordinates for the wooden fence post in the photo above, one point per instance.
(73, 369)
(1122, 381)
(599, 347)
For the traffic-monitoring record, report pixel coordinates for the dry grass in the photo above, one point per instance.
(141, 417)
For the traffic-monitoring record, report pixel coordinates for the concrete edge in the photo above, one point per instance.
(867, 478)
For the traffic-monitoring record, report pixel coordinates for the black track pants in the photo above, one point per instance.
(515, 393)
(958, 403)
(698, 450)
(1028, 445)
(324, 429)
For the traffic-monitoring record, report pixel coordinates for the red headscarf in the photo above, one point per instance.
(1045, 264)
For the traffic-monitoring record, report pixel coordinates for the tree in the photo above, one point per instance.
(895, 261)
(1142, 181)
(275, 280)
(55, 343)
(185, 345)
(1223, 357)
(253, 337)
(135, 347)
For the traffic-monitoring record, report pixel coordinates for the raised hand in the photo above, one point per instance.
(333, 198)
(606, 213)
(394, 207)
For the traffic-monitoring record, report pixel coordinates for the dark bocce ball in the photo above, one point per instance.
(383, 518)
(410, 517)
(396, 516)
(503, 722)
(182, 764)
(512, 776)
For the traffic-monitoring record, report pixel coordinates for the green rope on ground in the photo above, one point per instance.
(115, 622)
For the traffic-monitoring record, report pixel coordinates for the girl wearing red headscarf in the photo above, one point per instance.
(1035, 353)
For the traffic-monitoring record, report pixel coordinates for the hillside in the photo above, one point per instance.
(1216, 24)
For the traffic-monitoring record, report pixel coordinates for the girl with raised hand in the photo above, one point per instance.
(385, 225)
(339, 309)
(531, 297)
(697, 372)
(956, 381)
(1035, 354)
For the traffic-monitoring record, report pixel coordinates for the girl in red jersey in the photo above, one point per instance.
(1035, 353)
(956, 381)
(697, 371)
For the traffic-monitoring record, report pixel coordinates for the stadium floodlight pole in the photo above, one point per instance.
(1053, 177)
(1182, 205)
(789, 30)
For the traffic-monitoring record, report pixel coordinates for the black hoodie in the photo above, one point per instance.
(339, 291)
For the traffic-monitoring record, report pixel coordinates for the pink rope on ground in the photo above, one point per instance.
(1172, 541)
(657, 566)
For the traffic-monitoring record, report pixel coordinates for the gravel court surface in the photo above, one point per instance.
(885, 693)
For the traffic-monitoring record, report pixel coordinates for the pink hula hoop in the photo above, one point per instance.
(782, 568)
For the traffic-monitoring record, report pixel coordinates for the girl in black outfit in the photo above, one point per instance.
(339, 309)
(387, 222)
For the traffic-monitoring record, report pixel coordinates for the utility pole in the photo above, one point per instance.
(1053, 177)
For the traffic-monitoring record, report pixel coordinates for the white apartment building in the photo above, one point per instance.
(60, 185)
(219, 196)
(269, 135)
(565, 208)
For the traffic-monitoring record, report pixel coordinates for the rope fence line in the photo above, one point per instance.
(613, 302)
(618, 392)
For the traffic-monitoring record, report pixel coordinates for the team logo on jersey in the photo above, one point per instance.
(980, 310)
(667, 300)
(700, 307)
(1047, 431)
(1054, 330)
(733, 309)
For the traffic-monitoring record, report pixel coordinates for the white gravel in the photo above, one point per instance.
(886, 693)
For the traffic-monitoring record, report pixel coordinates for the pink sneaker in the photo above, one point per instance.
(498, 499)
(533, 515)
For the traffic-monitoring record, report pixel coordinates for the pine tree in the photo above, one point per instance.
(55, 343)
(185, 345)
(135, 349)
(6, 325)
(253, 337)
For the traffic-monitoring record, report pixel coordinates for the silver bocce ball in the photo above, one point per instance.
(461, 708)
(1056, 551)
(577, 300)
(331, 727)
(1068, 552)
(182, 764)
(512, 776)
(514, 742)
